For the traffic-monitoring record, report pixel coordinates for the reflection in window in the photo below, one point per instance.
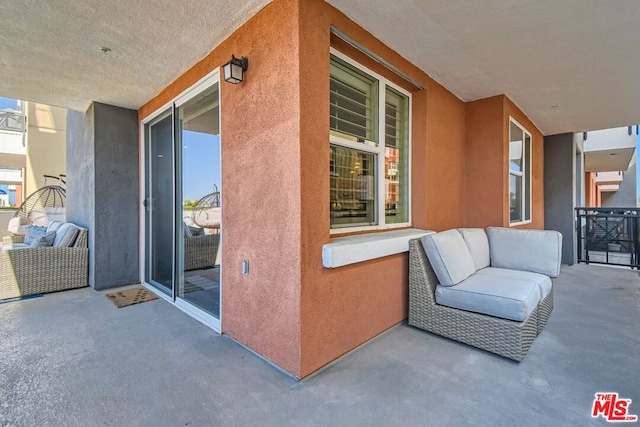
(396, 155)
(353, 187)
(519, 173)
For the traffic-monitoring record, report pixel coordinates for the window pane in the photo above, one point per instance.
(515, 147)
(396, 157)
(515, 197)
(353, 187)
(353, 102)
(527, 177)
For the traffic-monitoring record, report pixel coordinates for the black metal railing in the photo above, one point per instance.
(608, 236)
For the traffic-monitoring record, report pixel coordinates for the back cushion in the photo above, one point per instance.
(66, 235)
(53, 226)
(538, 251)
(478, 244)
(449, 257)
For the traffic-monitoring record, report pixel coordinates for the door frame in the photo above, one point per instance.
(207, 81)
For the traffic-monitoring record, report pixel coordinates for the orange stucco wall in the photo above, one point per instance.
(260, 183)
(593, 196)
(487, 164)
(275, 184)
(342, 308)
(484, 177)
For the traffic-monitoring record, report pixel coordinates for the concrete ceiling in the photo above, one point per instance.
(571, 65)
(608, 160)
(50, 51)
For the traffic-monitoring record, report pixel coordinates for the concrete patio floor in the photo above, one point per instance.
(73, 359)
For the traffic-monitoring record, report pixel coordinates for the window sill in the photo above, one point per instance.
(516, 224)
(347, 250)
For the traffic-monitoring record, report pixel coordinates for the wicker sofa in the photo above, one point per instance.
(28, 271)
(494, 333)
(200, 251)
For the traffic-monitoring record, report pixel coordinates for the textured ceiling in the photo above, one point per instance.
(570, 65)
(50, 50)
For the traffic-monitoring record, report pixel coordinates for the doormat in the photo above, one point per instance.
(131, 297)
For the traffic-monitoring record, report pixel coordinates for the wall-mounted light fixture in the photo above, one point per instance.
(234, 69)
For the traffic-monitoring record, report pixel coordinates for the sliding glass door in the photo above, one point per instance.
(198, 137)
(182, 203)
(159, 203)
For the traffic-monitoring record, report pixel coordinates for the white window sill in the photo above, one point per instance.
(347, 250)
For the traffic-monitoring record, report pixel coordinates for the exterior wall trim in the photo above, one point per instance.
(365, 247)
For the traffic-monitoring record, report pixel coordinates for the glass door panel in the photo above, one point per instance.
(198, 139)
(160, 204)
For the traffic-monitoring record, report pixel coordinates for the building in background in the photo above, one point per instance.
(610, 167)
(32, 145)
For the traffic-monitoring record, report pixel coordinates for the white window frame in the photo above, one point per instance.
(378, 149)
(526, 169)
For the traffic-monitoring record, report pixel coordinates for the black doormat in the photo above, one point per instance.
(130, 297)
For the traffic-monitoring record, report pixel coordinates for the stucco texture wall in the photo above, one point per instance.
(487, 164)
(343, 308)
(260, 136)
(275, 184)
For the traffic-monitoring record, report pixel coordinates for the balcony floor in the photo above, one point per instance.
(72, 358)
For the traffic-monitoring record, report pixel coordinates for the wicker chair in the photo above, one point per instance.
(30, 271)
(507, 338)
(200, 251)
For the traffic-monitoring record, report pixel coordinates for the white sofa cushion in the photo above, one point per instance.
(54, 225)
(478, 244)
(449, 256)
(506, 298)
(540, 280)
(538, 251)
(18, 225)
(12, 246)
(66, 235)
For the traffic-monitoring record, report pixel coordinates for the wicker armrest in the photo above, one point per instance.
(8, 240)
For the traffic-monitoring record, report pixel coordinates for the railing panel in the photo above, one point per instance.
(608, 236)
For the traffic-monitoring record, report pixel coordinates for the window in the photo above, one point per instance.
(519, 174)
(369, 143)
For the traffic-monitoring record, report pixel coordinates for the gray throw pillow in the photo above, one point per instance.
(33, 233)
(45, 240)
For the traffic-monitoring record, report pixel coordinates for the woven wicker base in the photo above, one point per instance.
(500, 336)
(31, 271)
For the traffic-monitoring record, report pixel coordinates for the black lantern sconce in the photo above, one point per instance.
(234, 69)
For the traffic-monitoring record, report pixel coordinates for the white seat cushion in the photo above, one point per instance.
(15, 246)
(478, 244)
(449, 256)
(540, 280)
(506, 298)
